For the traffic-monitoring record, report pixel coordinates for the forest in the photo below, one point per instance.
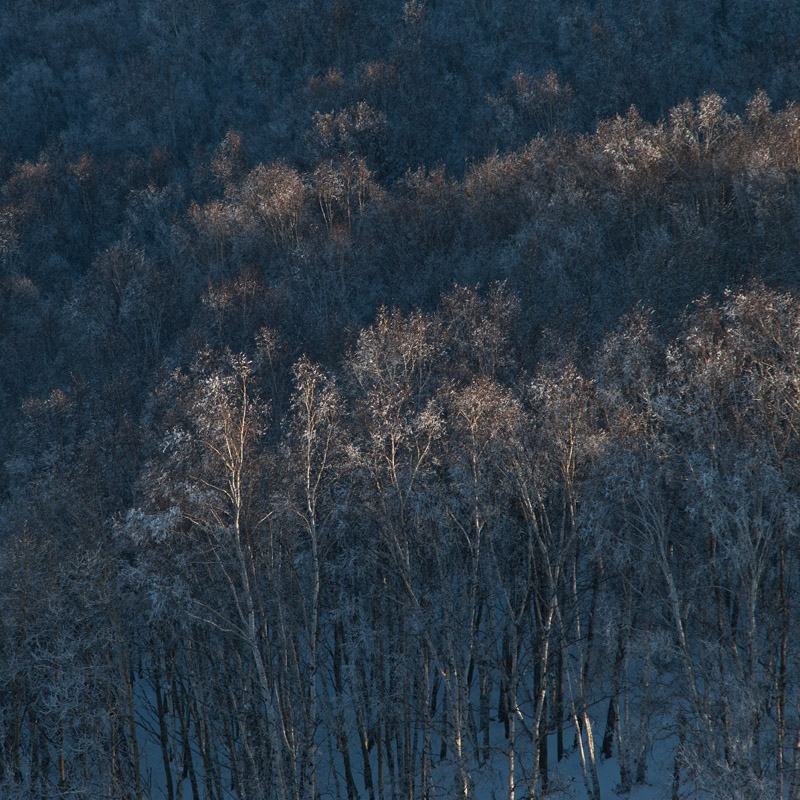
(399, 400)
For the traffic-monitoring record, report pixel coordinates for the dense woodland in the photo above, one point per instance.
(398, 398)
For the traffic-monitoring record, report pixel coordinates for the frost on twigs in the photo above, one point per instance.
(141, 527)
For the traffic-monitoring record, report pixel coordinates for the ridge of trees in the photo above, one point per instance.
(383, 393)
(436, 560)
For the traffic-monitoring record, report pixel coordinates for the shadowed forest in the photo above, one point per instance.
(399, 398)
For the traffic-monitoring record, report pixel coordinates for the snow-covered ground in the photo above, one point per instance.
(567, 781)
(565, 778)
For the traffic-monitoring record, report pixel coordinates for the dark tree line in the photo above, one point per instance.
(397, 397)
